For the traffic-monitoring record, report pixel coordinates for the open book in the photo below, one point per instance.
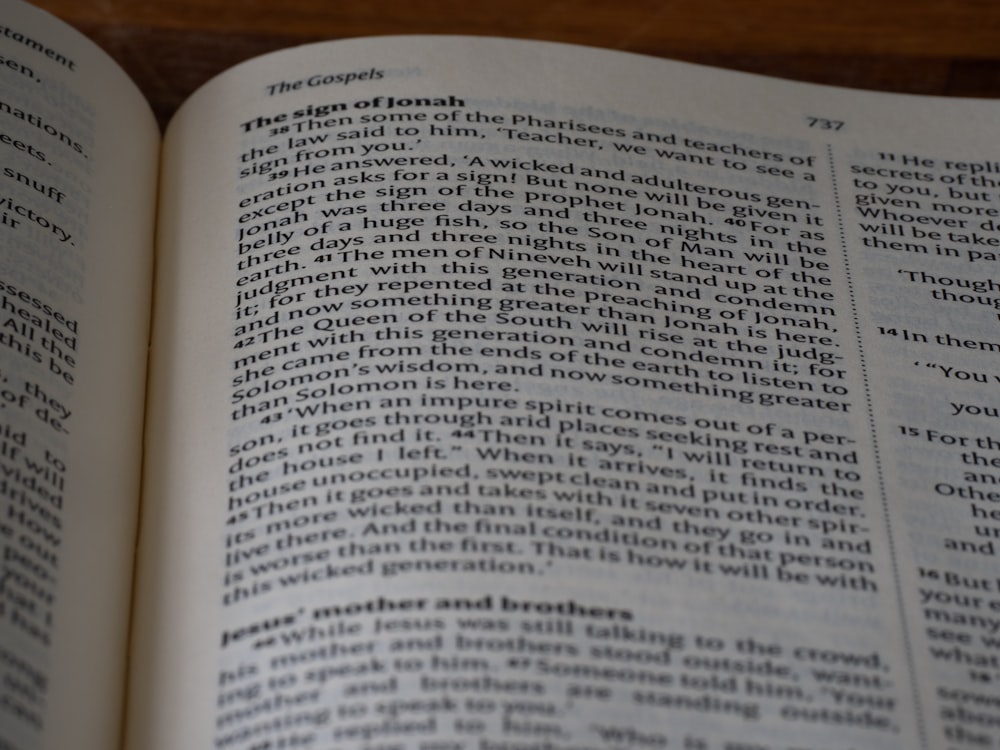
(500, 395)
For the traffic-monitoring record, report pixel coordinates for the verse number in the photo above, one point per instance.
(824, 124)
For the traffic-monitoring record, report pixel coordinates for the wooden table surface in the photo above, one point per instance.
(949, 47)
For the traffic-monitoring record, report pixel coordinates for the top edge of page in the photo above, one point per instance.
(564, 62)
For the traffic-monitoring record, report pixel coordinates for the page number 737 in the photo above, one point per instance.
(823, 123)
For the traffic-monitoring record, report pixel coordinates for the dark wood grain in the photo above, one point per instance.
(948, 47)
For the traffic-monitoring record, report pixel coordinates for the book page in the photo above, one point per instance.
(78, 161)
(514, 395)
